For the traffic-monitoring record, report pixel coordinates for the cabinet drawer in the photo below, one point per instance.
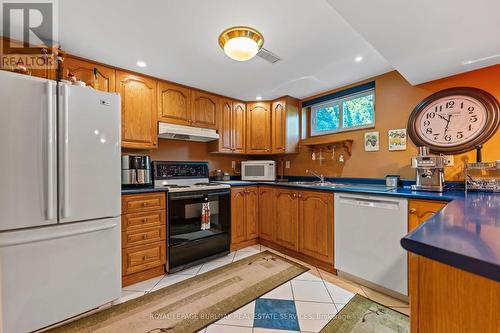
(142, 202)
(143, 236)
(144, 257)
(143, 220)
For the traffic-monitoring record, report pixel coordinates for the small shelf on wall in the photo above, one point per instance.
(314, 143)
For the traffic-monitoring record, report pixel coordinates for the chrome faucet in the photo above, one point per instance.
(320, 176)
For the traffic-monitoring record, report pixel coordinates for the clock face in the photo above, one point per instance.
(454, 120)
(451, 121)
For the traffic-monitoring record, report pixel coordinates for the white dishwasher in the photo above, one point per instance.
(368, 230)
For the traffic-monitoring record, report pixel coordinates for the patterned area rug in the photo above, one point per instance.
(362, 315)
(190, 305)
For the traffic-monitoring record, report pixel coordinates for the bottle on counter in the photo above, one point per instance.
(205, 214)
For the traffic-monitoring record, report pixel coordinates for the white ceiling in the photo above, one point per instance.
(428, 39)
(317, 40)
(178, 41)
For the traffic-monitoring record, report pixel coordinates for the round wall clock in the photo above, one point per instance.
(454, 120)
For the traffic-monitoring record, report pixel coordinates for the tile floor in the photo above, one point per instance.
(303, 304)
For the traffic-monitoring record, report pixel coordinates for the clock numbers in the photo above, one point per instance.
(451, 120)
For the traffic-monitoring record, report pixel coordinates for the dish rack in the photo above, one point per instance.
(482, 176)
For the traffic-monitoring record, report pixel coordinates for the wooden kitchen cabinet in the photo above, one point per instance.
(316, 225)
(267, 213)
(298, 223)
(144, 236)
(103, 79)
(258, 128)
(139, 112)
(204, 109)
(174, 103)
(244, 216)
(287, 218)
(421, 210)
(446, 299)
(285, 131)
(231, 126)
(418, 212)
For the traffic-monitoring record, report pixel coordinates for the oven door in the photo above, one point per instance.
(187, 242)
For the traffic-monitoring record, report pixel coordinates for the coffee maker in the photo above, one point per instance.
(136, 171)
(430, 171)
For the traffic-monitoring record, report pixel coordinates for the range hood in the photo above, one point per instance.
(186, 133)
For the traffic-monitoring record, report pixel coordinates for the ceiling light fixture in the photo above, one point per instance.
(358, 59)
(141, 64)
(241, 43)
(258, 98)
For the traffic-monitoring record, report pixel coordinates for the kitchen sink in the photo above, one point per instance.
(316, 183)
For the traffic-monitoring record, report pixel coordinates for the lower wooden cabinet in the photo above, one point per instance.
(316, 225)
(267, 213)
(421, 210)
(298, 221)
(287, 218)
(144, 234)
(244, 216)
(445, 299)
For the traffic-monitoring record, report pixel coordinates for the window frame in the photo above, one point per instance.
(340, 101)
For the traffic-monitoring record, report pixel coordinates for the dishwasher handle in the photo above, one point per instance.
(370, 202)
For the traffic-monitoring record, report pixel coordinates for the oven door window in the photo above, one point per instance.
(185, 214)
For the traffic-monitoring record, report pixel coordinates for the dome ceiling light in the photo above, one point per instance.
(241, 43)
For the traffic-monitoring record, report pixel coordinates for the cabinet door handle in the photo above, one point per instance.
(300, 195)
(413, 210)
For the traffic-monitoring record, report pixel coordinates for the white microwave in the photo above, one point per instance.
(258, 170)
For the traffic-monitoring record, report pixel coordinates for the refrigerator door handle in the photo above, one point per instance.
(49, 212)
(13, 241)
(65, 208)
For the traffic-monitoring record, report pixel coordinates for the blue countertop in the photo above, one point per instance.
(142, 190)
(465, 234)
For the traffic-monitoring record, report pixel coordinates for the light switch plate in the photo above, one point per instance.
(287, 164)
(233, 164)
(450, 161)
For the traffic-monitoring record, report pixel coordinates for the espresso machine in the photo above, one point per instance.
(136, 171)
(430, 171)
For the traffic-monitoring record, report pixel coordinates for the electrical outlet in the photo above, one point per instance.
(233, 164)
(287, 164)
(450, 161)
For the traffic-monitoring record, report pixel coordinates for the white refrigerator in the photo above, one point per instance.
(59, 201)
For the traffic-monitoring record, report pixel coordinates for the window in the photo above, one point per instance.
(345, 113)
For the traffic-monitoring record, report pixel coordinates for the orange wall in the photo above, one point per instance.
(395, 98)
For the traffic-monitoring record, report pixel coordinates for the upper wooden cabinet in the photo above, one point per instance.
(139, 112)
(421, 210)
(204, 108)
(258, 128)
(174, 103)
(285, 131)
(231, 126)
(97, 76)
(45, 64)
(238, 127)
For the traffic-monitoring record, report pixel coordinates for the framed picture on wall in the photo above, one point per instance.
(372, 142)
(397, 139)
